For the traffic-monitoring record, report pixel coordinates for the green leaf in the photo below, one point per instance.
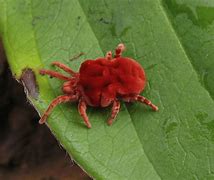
(172, 39)
(194, 26)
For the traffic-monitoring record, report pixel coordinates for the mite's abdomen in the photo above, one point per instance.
(103, 78)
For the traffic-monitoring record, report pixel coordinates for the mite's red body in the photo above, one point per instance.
(101, 82)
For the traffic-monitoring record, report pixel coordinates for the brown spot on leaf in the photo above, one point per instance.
(28, 79)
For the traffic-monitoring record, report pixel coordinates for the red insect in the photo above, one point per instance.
(101, 82)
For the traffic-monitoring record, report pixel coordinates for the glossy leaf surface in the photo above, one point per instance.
(172, 39)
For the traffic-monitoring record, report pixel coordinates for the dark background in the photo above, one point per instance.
(28, 150)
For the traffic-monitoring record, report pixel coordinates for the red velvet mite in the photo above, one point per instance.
(100, 83)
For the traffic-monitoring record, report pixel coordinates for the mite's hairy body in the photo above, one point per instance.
(100, 83)
(103, 81)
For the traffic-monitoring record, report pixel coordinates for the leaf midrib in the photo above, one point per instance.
(125, 106)
(180, 44)
(165, 14)
(61, 109)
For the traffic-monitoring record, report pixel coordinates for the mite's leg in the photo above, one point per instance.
(64, 67)
(115, 110)
(54, 74)
(119, 50)
(82, 111)
(109, 55)
(54, 103)
(146, 101)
